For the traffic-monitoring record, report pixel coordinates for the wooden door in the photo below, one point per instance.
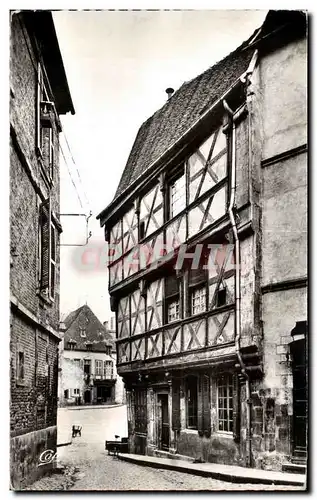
(300, 409)
(164, 427)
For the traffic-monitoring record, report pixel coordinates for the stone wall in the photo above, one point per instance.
(33, 399)
(25, 453)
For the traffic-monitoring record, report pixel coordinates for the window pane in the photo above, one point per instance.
(225, 404)
(177, 196)
(173, 311)
(199, 300)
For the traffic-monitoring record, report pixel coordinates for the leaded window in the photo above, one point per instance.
(225, 403)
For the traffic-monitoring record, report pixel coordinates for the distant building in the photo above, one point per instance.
(39, 94)
(208, 271)
(87, 373)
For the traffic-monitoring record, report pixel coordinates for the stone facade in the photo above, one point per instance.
(88, 373)
(224, 381)
(34, 179)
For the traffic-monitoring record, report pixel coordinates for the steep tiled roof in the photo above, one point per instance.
(185, 106)
(96, 333)
(167, 125)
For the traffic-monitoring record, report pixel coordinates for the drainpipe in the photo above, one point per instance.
(237, 280)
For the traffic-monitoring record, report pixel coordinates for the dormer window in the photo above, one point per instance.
(88, 346)
(71, 344)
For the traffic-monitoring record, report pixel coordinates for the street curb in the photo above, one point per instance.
(63, 444)
(104, 407)
(224, 476)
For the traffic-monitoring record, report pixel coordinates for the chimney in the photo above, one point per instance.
(169, 92)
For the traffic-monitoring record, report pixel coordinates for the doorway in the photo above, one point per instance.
(299, 399)
(87, 396)
(163, 422)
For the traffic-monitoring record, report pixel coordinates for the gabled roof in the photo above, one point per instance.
(167, 125)
(96, 333)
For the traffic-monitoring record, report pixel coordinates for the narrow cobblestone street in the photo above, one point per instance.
(89, 467)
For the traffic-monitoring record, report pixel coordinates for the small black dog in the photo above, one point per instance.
(76, 430)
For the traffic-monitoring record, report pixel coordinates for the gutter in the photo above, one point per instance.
(239, 80)
(244, 373)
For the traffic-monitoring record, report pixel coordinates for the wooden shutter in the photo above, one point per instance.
(45, 225)
(171, 285)
(38, 107)
(200, 407)
(236, 408)
(206, 405)
(176, 417)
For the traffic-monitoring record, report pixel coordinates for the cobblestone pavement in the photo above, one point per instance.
(99, 471)
(89, 467)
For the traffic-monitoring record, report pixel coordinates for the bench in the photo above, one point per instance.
(116, 447)
(76, 430)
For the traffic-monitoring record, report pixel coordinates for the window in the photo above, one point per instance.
(66, 394)
(76, 392)
(173, 311)
(82, 332)
(87, 366)
(198, 300)
(98, 367)
(45, 119)
(225, 403)
(20, 366)
(191, 402)
(47, 251)
(177, 195)
(141, 230)
(172, 297)
(108, 369)
(77, 362)
(71, 344)
(197, 284)
(221, 296)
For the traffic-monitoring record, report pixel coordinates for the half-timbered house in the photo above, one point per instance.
(207, 260)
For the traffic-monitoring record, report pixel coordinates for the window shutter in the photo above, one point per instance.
(200, 407)
(197, 276)
(176, 418)
(206, 405)
(171, 285)
(236, 409)
(45, 223)
(38, 109)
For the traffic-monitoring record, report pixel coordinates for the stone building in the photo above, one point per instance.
(208, 276)
(87, 373)
(39, 94)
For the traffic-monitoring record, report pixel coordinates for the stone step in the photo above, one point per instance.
(294, 468)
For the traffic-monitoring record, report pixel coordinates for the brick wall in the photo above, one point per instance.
(34, 399)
